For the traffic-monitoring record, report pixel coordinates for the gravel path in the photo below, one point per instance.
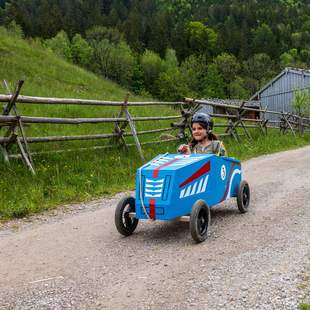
(74, 257)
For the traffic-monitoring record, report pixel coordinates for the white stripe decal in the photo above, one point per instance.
(194, 189)
(188, 190)
(154, 181)
(147, 190)
(205, 184)
(153, 196)
(236, 171)
(200, 186)
(154, 185)
(182, 193)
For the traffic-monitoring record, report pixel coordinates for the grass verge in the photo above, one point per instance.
(80, 176)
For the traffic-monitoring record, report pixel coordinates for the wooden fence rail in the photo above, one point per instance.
(15, 132)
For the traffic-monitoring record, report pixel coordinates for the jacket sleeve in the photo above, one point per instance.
(220, 149)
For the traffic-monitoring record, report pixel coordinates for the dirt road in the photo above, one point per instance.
(258, 260)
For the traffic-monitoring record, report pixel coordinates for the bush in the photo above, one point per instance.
(99, 33)
(81, 51)
(114, 61)
(193, 70)
(152, 66)
(15, 30)
(171, 86)
(214, 86)
(60, 45)
(122, 64)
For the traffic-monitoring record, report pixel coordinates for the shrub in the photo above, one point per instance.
(60, 45)
(152, 66)
(81, 51)
(171, 86)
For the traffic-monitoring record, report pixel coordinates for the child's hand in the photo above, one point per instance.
(184, 149)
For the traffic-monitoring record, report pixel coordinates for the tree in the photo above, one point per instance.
(237, 89)
(257, 70)
(99, 33)
(137, 84)
(171, 85)
(60, 45)
(264, 41)
(152, 66)
(290, 58)
(15, 30)
(201, 38)
(193, 70)
(213, 83)
(81, 51)
(171, 60)
(122, 64)
(301, 102)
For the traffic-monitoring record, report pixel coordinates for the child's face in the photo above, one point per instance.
(199, 133)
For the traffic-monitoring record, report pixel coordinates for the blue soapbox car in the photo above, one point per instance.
(184, 187)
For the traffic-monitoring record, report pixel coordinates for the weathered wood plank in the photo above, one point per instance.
(72, 101)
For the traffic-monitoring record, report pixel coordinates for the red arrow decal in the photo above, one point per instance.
(201, 171)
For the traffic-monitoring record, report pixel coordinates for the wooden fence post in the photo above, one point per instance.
(12, 132)
(187, 113)
(285, 123)
(120, 127)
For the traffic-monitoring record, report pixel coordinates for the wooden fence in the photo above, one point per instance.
(14, 123)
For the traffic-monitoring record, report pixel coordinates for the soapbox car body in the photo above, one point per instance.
(184, 187)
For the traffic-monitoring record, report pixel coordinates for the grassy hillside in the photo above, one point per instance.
(78, 176)
(45, 74)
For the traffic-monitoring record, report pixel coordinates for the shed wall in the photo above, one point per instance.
(279, 94)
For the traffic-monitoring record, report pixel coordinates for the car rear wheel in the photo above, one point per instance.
(243, 197)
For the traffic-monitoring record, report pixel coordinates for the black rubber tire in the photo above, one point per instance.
(243, 196)
(200, 221)
(124, 224)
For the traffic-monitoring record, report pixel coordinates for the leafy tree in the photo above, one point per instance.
(98, 33)
(301, 102)
(201, 38)
(227, 65)
(237, 89)
(60, 45)
(114, 61)
(264, 41)
(81, 51)
(213, 83)
(137, 84)
(171, 60)
(193, 70)
(290, 58)
(15, 30)
(152, 66)
(305, 56)
(122, 64)
(258, 69)
(171, 86)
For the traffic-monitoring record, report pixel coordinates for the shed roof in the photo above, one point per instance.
(285, 71)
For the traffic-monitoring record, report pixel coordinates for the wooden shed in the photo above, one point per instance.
(278, 94)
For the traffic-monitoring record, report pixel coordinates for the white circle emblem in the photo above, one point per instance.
(223, 172)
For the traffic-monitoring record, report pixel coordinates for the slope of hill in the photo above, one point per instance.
(66, 177)
(46, 74)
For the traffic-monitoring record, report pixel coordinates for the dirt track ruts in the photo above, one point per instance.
(258, 260)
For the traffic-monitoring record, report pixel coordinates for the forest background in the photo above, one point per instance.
(171, 48)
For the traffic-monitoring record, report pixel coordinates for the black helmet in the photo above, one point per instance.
(203, 118)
